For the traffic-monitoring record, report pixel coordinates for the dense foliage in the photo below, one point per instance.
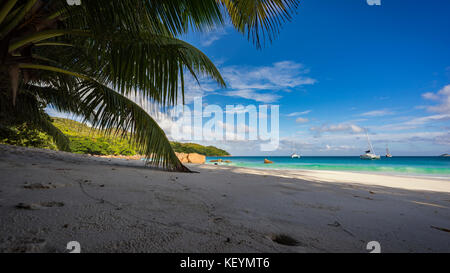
(86, 140)
(26, 135)
(197, 148)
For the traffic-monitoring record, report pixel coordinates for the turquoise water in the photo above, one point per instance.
(433, 166)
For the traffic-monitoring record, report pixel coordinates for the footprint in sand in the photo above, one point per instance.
(335, 224)
(368, 198)
(36, 186)
(23, 245)
(36, 206)
(40, 186)
(52, 204)
(284, 239)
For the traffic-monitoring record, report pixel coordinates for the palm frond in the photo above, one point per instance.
(60, 139)
(260, 20)
(112, 111)
(166, 17)
(153, 65)
(63, 98)
(5, 9)
(31, 112)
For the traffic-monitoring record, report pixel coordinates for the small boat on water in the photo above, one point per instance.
(370, 154)
(388, 154)
(267, 161)
(294, 154)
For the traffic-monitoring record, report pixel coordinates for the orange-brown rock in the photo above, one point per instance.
(196, 158)
(183, 157)
(191, 158)
(216, 160)
(266, 161)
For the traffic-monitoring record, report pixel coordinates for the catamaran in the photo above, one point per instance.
(294, 154)
(370, 154)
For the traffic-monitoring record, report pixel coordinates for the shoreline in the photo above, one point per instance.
(397, 166)
(49, 198)
(396, 174)
(417, 182)
(399, 174)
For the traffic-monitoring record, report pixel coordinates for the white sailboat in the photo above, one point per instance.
(294, 154)
(388, 154)
(370, 154)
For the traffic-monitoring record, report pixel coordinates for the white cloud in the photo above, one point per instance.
(377, 113)
(211, 36)
(301, 120)
(443, 139)
(265, 81)
(193, 89)
(442, 97)
(430, 96)
(280, 75)
(262, 84)
(338, 128)
(295, 114)
(338, 148)
(253, 95)
(427, 119)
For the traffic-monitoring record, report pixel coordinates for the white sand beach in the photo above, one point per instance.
(49, 198)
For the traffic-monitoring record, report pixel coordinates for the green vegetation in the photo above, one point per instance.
(86, 140)
(197, 148)
(25, 135)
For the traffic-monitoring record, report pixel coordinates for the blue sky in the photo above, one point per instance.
(339, 67)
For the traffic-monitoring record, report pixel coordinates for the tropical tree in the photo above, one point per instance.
(90, 60)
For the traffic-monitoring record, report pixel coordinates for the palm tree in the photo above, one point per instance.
(90, 59)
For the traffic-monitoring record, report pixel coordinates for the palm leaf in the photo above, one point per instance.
(152, 64)
(112, 111)
(260, 20)
(60, 139)
(31, 112)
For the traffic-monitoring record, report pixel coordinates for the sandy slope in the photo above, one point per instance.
(116, 205)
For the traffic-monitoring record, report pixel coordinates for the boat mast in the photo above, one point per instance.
(370, 144)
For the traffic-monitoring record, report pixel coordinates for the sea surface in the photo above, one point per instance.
(430, 166)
